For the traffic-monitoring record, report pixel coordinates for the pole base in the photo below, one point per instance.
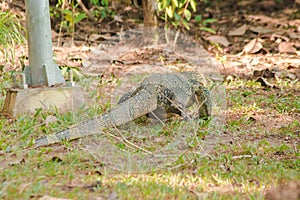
(27, 101)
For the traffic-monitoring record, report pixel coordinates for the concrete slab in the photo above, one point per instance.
(27, 101)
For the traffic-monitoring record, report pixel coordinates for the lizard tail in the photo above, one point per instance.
(52, 138)
(82, 129)
(143, 102)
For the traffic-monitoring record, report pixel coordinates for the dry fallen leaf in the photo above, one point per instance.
(253, 46)
(239, 31)
(17, 161)
(245, 3)
(263, 19)
(118, 18)
(288, 191)
(50, 119)
(295, 23)
(274, 36)
(268, 4)
(51, 198)
(286, 47)
(294, 35)
(260, 29)
(219, 39)
(291, 76)
(93, 37)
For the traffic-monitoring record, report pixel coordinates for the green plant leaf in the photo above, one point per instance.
(94, 2)
(169, 11)
(104, 3)
(175, 3)
(68, 15)
(181, 4)
(160, 6)
(185, 24)
(180, 11)
(66, 12)
(210, 30)
(177, 17)
(193, 5)
(209, 21)
(198, 18)
(166, 3)
(79, 17)
(187, 14)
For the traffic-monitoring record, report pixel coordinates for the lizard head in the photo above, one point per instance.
(196, 77)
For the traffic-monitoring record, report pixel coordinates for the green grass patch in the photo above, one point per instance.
(257, 150)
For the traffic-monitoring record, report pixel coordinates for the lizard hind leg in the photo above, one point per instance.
(158, 114)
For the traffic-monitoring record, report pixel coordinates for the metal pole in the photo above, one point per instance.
(41, 70)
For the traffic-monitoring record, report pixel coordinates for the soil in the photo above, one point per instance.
(250, 35)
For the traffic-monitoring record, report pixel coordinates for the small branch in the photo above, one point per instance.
(87, 12)
(241, 156)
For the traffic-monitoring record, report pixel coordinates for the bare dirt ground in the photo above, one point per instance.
(250, 36)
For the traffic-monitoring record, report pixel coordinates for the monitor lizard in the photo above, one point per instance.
(171, 93)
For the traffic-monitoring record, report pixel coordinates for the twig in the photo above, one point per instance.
(87, 12)
(241, 156)
(134, 145)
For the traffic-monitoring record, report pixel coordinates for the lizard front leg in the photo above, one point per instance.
(204, 100)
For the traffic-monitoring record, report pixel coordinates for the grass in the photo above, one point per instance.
(257, 150)
(11, 34)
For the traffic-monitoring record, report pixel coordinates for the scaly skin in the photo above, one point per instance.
(171, 93)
